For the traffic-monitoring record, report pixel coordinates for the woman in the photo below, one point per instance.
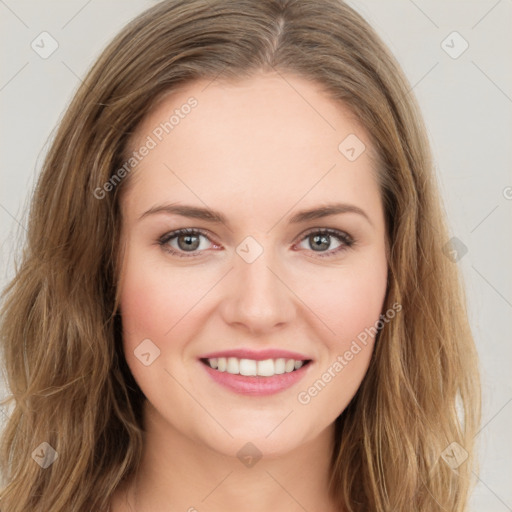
(234, 294)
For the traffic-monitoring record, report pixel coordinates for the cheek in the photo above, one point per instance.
(153, 302)
(151, 299)
(350, 308)
(350, 300)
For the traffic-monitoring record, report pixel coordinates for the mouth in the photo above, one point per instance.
(256, 377)
(254, 368)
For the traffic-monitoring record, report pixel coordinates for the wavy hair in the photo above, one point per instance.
(69, 383)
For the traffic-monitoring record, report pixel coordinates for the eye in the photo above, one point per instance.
(321, 238)
(188, 242)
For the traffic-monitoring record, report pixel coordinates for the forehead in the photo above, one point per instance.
(269, 138)
(274, 112)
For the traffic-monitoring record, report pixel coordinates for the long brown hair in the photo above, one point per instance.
(61, 344)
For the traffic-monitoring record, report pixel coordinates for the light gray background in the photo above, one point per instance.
(467, 105)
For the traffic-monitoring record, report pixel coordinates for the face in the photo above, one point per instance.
(262, 285)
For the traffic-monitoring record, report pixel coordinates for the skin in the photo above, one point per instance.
(258, 151)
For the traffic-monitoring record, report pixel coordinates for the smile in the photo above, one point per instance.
(251, 367)
(255, 377)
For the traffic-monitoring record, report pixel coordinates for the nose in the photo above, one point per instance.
(258, 298)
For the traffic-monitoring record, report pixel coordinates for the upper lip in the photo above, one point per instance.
(259, 355)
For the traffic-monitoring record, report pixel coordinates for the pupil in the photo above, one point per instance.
(188, 243)
(323, 239)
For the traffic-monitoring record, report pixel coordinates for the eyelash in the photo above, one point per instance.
(347, 241)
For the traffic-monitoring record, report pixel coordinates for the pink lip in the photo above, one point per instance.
(256, 386)
(260, 355)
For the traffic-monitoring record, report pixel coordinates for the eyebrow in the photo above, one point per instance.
(209, 215)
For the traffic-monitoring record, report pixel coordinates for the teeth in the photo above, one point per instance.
(265, 368)
(232, 365)
(290, 365)
(279, 365)
(247, 366)
(250, 367)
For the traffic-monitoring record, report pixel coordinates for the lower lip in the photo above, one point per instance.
(257, 386)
